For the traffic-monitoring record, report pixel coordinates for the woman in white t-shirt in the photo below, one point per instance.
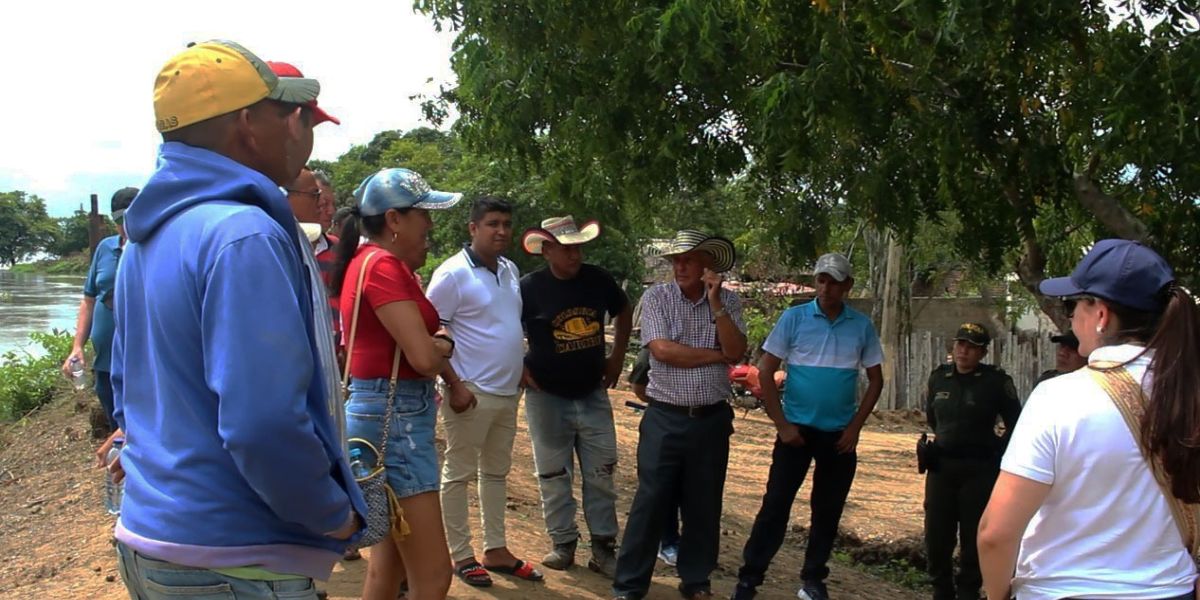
(1077, 512)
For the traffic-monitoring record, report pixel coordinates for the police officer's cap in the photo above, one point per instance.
(1067, 339)
(974, 333)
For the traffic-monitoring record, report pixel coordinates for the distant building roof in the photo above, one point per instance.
(782, 289)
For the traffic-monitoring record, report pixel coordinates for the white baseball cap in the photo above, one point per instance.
(834, 264)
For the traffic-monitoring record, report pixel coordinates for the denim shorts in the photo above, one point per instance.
(411, 457)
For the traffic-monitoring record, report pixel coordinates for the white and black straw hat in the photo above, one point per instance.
(722, 250)
(559, 229)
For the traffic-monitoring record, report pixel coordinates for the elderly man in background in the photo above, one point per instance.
(694, 329)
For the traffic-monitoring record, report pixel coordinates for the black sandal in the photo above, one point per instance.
(520, 569)
(473, 574)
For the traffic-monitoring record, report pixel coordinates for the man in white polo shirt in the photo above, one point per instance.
(477, 294)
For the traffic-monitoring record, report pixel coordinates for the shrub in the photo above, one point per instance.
(28, 381)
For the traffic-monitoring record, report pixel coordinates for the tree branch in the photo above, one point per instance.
(1108, 210)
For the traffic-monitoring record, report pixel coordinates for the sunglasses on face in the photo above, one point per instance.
(316, 194)
(1070, 302)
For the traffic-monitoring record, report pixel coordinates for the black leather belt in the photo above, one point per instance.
(691, 411)
(968, 452)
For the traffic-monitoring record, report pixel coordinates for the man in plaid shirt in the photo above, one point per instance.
(694, 330)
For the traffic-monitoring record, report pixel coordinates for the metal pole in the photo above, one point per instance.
(95, 221)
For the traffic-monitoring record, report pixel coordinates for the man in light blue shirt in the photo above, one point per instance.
(825, 344)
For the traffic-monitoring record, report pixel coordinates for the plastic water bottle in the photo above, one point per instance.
(77, 374)
(113, 492)
(358, 467)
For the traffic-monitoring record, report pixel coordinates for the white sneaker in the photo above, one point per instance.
(668, 554)
(813, 590)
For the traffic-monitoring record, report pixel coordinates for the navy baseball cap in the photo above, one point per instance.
(1120, 271)
(399, 188)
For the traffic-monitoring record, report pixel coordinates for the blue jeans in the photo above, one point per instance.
(560, 429)
(149, 579)
(411, 458)
(104, 392)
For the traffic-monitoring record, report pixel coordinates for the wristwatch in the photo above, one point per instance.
(720, 313)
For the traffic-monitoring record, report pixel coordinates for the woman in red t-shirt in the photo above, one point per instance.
(394, 315)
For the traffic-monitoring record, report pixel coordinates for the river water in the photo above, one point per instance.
(31, 302)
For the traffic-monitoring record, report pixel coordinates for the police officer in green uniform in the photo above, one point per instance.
(961, 404)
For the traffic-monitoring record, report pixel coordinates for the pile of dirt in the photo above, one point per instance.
(899, 421)
(58, 541)
(877, 551)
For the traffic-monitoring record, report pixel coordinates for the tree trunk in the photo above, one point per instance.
(875, 244)
(1031, 269)
(890, 322)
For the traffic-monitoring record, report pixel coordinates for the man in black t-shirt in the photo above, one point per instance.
(567, 375)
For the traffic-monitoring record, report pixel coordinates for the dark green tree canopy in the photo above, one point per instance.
(1041, 124)
(72, 233)
(25, 228)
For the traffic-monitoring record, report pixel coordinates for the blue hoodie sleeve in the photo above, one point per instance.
(259, 363)
(117, 374)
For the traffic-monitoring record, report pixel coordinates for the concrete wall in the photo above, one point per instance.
(942, 316)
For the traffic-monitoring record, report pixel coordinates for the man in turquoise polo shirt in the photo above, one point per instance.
(825, 344)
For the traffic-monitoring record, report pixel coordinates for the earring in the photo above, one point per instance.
(1099, 328)
(393, 237)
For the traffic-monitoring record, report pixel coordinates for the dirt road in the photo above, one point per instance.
(57, 540)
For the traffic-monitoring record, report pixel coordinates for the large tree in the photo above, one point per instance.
(1041, 124)
(73, 233)
(25, 228)
(440, 158)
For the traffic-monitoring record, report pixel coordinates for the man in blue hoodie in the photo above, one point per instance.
(235, 480)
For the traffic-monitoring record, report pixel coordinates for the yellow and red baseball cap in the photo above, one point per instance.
(217, 77)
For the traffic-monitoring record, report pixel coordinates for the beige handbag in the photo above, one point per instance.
(1130, 399)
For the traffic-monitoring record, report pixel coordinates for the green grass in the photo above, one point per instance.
(896, 570)
(28, 382)
(75, 264)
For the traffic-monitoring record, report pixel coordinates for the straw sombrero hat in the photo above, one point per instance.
(312, 231)
(721, 249)
(561, 230)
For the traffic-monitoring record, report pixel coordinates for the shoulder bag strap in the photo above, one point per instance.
(362, 274)
(390, 411)
(1129, 397)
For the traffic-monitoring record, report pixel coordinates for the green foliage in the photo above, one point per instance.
(28, 381)
(761, 311)
(1001, 113)
(895, 570)
(25, 228)
(72, 234)
(440, 158)
(75, 264)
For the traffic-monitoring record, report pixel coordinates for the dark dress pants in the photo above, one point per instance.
(681, 463)
(955, 497)
(832, 477)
